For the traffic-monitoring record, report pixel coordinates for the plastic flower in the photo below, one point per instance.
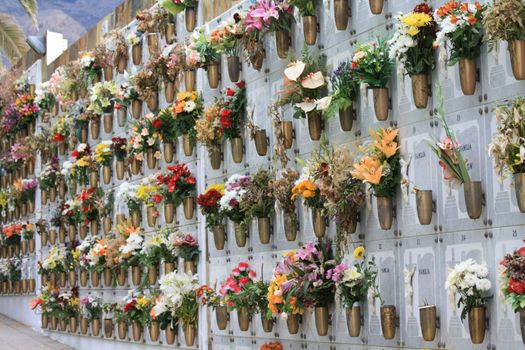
(359, 252)
(369, 170)
(294, 70)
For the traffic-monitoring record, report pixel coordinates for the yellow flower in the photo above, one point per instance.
(218, 187)
(81, 163)
(359, 252)
(416, 19)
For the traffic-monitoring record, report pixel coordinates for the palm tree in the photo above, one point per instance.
(12, 38)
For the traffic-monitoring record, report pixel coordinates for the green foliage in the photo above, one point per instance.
(505, 20)
(305, 7)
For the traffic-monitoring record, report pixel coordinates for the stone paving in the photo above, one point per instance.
(17, 336)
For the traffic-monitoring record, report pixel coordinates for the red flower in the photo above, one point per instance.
(230, 92)
(243, 266)
(516, 286)
(58, 137)
(244, 281)
(74, 154)
(157, 198)
(118, 106)
(521, 251)
(226, 121)
(354, 64)
(423, 8)
(241, 84)
(157, 124)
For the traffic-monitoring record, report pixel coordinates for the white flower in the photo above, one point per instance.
(294, 70)
(313, 81)
(189, 106)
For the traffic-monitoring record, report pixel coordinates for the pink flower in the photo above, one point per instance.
(252, 274)
(236, 272)
(243, 266)
(243, 281)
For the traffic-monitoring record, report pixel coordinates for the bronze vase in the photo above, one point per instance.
(240, 234)
(385, 212)
(388, 321)
(136, 54)
(237, 149)
(108, 328)
(73, 324)
(222, 316)
(152, 40)
(424, 204)
(341, 14)
(119, 166)
(153, 102)
(264, 228)
(427, 321)
(477, 324)
(234, 68)
(381, 103)
(95, 279)
(150, 158)
(243, 318)
(189, 334)
(261, 142)
(420, 90)
(72, 278)
(136, 274)
(287, 133)
(108, 122)
(122, 330)
(517, 58)
(154, 331)
(106, 174)
(170, 335)
(108, 73)
(121, 65)
(212, 71)
(122, 116)
(190, 18)
(467, 75)
(376, 6)
(122, 276)
(292, 323)
(152, 216)
(152, 274)
(346, 118)
(169, 212)
(190, 76)
(169, 267)
(95, 128)
(215, 154)
(321, 320)
(353, 320)
(83, 278)
(84, 325)
(310, 29)
(188, 204)
(167, 150)
(136, 108)
(186, 145)
(219, 237)
(473, 198)
(95, 327)
(315, 125)
(108, 277)
(282, 42)
(170, 33)
(136, 328)
(318, 222)
(107, 224)
(189, 267)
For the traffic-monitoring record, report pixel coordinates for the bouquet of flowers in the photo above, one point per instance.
(64, 82)
(413, 41)
(210, 205)
(96, 256)
(164, 124)
(186, 110)
(209, 129)
(234, 192)
(91, 67)
(229, 34)
(61, 130)
(177, 6)
(503, 20)
(144, 137)
(137, 308)
(305, 86)
(125, 94)
(461, 24)
(271, 16)
(28, 190)
(146, 84)
(69, 304)
(119, 148)
(188, 56)
(91, 307)
(54, 262)
(44, 98)
(81, 163)
(309, 192)
(130, 251)
(372, 63)
(148, 192)
(27, 110)
(345, 86)
(469, 279)
(186, 246)
(48, 177)
(282, 189)
(353, 282)
(176, 183)
(134, 38)
(91, 204)
(102, 96)
(155, 248)
(209, 297)
(231, 107)
(28, 231)
(273, 345)
(513, 279)
(259, 200)
(127, 194)
(12, 234)
(237, 291)
(204, 46)
(71, 211)
(103, 153)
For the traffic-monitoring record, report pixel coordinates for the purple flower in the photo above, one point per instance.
(306, 251)
(336, 273)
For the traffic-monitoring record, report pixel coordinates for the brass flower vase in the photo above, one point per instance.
(240, 234)
(31, 245)
(234, 68)
(215, 154)
(136, 218)
(63, 324)
(427, 321)
(190, 76)
(282, 42)
(420, 90)
(385, 212)
(119, 167)
(72, 232)
(519, 188)
(120, 218)
(290, 226)
(43, 197)
(152, 39)
(62, 189)
(108, 122)
(95, 279)
(108, 277)
(152, 216)
(45, 321)
(93, 227)
(169, 267)
(72, 278)
(287, 133)
(136, 275)
(122, 276)
(122, 330)
(315, 125)
(376, 6)
(150, 158)
(95, 128)
(221, 315)
(261, 142)
(467, 75)
(107, 225)
(136, 108)
(32, 285)
(152, 274)
(237, 149)
(170, 32)
(190, 18)
(318, 222)
(346, 117)
(24, 247)
(186, 145)
(243, 318)
(212, 71)
(170, 335)
(122, 116)
(108, 328)
(353, 320)
(292, 323)
(52, 194)
(341, 14)
(424, 204)
(517, 58)
(473, 198)
(83, 278)
(62, 279)
(522, 324)
(167, 151)
(189, 334)
(381, 103)
(310, 29)
(73, 325)
(477, 324)
(169, 212)
(321, 320)
(54, 322)
(135, 166)
(136, 329)
(219, 237)
(263, 225)
(95, 327)
(121, 65)
(189, 267)
(106, 174)
(83, 134)
(267, 324)
(154, 331)
(188, 204)
(388, 321)
(136, 54)
(108, 73)
(93, 178)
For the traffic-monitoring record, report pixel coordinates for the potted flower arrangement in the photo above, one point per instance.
(146, 84)
(120, 318)
(127, 194)
(92, 69)
(179, 299)
(413, 47)
(207, 48)
(104, 57)
(148, 22)
(232, 111)
(282, 189)
(104, 157)
(120, 151)
(454, 165)
(91, 206)
(209, 202)
(307, 10)
(345, 195)
(101, 98)
(80, 123)
(134, 39)
(151, 256)
(27, 112)
(148, 193)
(503, 21)
(187, 248)
(121, 55)
(53, 265)
(137, 312)
(210, 298)
(188, 57)
(293, 289)
(91, 312)
(45, 99)
(72, 215)
(161, 65)
(229, 39)
(345, 86)
(81, 256)
(177, 185)
(253, 38)
(81, 157)
(353, 283)
(505, 147)
(259, 201)
(70, 305)
(144, 141)
(186, 110)
(188, 6)
(312, 198)
(457, 21)
(97, 260)
(12, 234)
(372, 64)
(29, 193)
(130, 251)
(514, 284)
(230, 205)
(63, 83)
(469, 279)
(125, 97)
(209, 132)
(306, 89)
(28, 234)
(237, 292)
(61, 132)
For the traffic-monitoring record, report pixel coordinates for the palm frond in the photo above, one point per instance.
(12, 38)
(31, 7)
